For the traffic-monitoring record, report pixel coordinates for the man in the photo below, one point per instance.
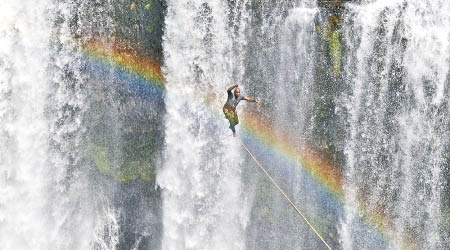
(229, 109)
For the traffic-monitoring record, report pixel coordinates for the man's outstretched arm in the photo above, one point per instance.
(249, 99)
(231, 88)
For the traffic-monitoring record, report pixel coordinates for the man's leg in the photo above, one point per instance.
(233, 128)
(235, 122)
(231, 117)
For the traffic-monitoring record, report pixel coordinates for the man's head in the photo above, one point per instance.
(237, 92)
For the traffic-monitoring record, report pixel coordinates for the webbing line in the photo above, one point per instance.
(268, 175)
(285, 195)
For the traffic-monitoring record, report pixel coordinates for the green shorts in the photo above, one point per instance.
(231, 115)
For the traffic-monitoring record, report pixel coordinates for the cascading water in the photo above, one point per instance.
(296, 70)
(360, 86)
(284, 50)
(203, 204)
(396, 72)
(24, 127)
(44, 201)
(353, 124)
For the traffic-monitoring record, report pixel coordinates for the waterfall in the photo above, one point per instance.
(101, 150)
(203, 204)
(296, 70)
(45, 202)
(24, 127)
(396, 72)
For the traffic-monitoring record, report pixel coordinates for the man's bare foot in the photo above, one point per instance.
(235, 134)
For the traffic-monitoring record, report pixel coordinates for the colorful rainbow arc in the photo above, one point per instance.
(319, 167)
(125, 59)
(323, 170)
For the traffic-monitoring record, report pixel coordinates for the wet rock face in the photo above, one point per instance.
(140, 24)
(123, 132)
(124, 139)
(126, 112)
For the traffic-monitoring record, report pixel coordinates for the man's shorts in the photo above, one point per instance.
(231, 115)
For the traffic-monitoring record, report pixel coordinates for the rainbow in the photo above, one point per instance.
(126, 60)
(322, 170)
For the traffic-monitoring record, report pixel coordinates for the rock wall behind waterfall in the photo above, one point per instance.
(124, 125)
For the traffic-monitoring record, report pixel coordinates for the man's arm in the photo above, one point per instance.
(249, 99)
(231, 88)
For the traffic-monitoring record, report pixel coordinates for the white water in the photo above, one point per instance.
(24, 129)
(396, 123)
(296, 70)
(294, 111)
(203, 203)
(394, 101)
(44, 197)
